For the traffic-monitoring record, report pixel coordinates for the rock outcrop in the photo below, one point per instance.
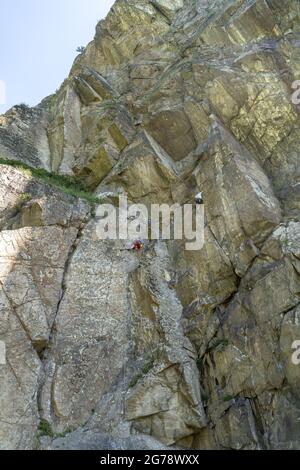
(108, 348)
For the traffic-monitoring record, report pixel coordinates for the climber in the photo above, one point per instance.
(199, 198)
(137, 245)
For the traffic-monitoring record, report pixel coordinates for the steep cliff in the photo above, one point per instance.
(114, 349)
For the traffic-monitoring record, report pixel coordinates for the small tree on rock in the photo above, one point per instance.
(80, 49)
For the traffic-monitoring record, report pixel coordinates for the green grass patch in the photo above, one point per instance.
(227, 398)
(149, 364)
(22, 199)
(218, 344)
(45, 429)
(199, 363)
(68, 184)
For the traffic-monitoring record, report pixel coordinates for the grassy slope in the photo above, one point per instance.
(67, 184)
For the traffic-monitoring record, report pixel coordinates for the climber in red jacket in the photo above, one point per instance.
(137, 245)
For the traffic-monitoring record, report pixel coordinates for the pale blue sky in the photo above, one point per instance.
(38, 41)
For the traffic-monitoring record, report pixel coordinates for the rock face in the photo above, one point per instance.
(113, 349)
